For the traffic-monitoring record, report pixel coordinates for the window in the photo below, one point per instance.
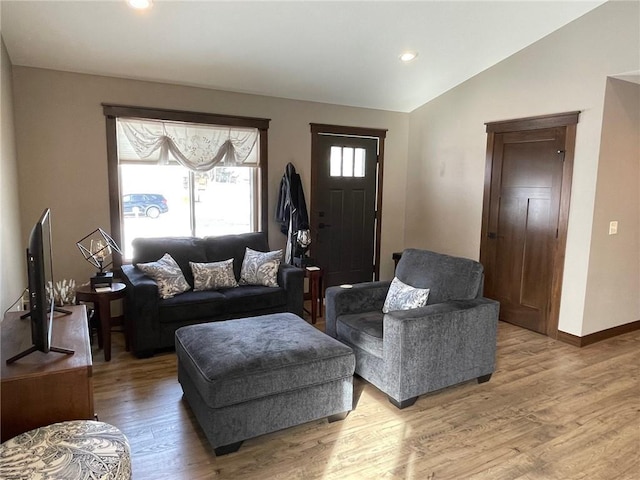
(347, 162)
(184, 174)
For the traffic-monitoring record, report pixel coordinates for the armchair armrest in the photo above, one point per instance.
(362, 297)
(438, 345)
(141, 309)
(291, 278)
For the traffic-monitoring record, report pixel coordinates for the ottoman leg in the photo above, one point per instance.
(404, 403)
(337, 417)
(225, 449)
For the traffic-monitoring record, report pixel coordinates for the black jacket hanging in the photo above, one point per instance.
(291, 211)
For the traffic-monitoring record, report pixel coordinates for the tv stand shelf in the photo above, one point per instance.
(41, 388)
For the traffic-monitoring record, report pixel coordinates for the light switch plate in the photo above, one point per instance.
(613, 227)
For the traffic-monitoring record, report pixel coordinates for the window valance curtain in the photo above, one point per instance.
(197, 147)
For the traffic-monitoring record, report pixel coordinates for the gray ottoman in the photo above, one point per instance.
(244, 378)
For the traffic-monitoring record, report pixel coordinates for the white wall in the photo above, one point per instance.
(61, 138)
(565, 71)
(12, 257)
(613, 283)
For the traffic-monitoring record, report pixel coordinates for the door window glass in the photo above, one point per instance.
(347, 162)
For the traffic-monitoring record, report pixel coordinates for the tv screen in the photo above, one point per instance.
(41, 300)
(40, 275)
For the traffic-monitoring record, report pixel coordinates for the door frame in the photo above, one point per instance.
(569, 121)
(318, 129)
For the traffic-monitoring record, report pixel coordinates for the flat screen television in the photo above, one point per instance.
(41, 301)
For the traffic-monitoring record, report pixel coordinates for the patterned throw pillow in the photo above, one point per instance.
(209, 276)
(404, 297)
(260, 268)
(167, 275)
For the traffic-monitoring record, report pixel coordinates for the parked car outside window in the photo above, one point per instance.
(147, 204)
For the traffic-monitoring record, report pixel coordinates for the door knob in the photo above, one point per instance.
(323, 225)
(492, 235)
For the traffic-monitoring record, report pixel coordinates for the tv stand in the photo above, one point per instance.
(32, 349)
(43, 389)
(56, 309)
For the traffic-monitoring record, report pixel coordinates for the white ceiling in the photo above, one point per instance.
(334, 52)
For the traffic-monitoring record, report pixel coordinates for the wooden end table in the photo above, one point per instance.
(316, 291)
(396, 258)
(102, 306)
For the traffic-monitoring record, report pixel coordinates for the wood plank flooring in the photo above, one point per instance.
(550, 411)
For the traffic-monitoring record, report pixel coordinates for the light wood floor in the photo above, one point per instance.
(550, 411)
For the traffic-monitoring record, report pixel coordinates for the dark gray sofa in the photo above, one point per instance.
(408, 353)
(153, 320)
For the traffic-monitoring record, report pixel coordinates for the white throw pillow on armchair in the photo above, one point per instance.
(404, 297)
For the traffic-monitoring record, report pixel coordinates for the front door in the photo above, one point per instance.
(344, 206)
(524, 220)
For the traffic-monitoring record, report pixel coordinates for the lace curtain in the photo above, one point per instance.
(194, 146)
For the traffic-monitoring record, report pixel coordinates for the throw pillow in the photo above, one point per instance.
(167, 275)
(209, 276)
(260, 268)
(404, 297)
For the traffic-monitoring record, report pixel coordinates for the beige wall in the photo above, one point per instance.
(60, 131)
(613, 283)
(435, 156)
(565, 71)
(12, 258)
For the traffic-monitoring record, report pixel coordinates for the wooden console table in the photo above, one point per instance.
(44, 388)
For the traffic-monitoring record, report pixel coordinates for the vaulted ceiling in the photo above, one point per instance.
(343, 53)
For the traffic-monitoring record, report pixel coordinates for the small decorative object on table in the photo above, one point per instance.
(63, 292)
(98, 248)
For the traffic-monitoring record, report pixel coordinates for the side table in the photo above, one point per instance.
(396, 258)
(316, 292)
(102, 305)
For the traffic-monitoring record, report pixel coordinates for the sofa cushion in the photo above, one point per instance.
(447, 277)
(252, 298)
(362, 330)
(192, 306)
(167, 275)
(404, 297)
(241, 360)
(214, 275)
(233, 246)
(182, 249)
(260, 268)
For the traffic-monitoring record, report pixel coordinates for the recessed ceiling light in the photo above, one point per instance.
(408, 56)
(140, 4)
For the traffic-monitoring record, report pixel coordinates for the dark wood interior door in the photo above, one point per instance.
(344, 207)
(522, 223)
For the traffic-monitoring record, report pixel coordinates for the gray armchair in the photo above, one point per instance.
(408, 353)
